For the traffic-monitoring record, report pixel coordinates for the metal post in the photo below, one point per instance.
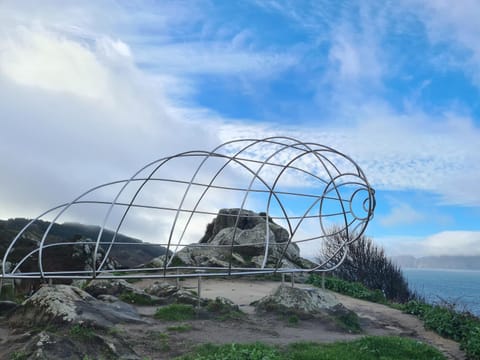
(323, 280)
(283, 278)
(199, 289)
(293, 279)
(177, 280)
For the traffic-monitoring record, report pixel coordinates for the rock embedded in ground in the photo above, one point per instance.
(287, 299)
(309, 303)
(68, 305)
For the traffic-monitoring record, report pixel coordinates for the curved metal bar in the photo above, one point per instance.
(252, 156)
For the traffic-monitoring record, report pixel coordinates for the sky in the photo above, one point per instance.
(91, 91)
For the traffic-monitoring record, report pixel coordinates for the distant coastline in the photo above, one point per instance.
(444, 262)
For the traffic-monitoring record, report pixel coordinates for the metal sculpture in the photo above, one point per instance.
(307, 188)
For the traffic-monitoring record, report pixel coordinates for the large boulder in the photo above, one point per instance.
(121, 289)
(246, 231)
(68, 305)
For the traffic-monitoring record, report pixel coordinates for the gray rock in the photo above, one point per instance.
(172, 294)
(65, 345)
(63, 304)
(302, 302)
(121, 289)
(83, 253)
(7, 306)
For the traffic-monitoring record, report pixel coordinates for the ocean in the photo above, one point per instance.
(461, 287)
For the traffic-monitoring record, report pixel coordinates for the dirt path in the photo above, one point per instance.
(376, 319)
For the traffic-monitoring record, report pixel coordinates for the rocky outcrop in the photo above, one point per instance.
(74, 346)
(246, 231)
(309, 303)
(68, 305)
(122, 290)
(173, 294)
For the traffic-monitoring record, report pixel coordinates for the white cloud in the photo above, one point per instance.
(52, 62)
(456, 26)
(398, 151)
(401, 214)
(454, 243)
(213, 58)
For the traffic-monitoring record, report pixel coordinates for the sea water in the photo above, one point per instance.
(459, 287)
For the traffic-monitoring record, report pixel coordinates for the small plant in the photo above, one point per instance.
(180, 328)
(348, 320)
(293, 320)
(224, 308)
(18, 355)
(175, 312)
(135, 298)
(82, 332)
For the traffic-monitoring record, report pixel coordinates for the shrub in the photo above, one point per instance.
(445, 321)
(365, 263)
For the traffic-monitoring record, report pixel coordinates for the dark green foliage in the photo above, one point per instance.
(355, 290)
(368, 348)
(365, 263)
(175, 312)
(445, 321)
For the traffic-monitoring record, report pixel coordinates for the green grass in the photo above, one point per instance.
(256, 351)
(368, 348)
(18, 355)
(355, 290)
(175, 312)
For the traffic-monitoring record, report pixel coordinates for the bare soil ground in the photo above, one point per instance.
(157, 340)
